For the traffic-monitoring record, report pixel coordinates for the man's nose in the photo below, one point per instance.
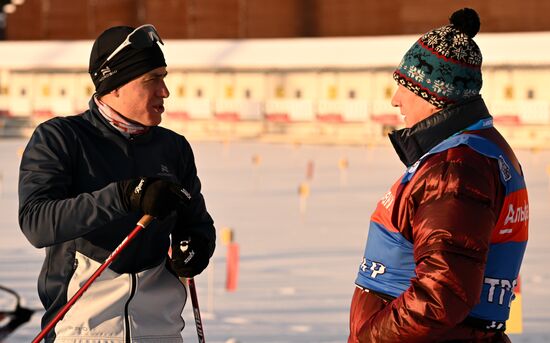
(395, 99)
(163, 91)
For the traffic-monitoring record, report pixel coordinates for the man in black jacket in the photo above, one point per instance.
(85, 181)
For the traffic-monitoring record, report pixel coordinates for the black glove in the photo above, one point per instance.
(153, 196)
(190, 257)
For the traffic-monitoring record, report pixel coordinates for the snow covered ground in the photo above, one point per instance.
(296, 270)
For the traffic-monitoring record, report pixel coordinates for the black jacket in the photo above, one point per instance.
(69, 200)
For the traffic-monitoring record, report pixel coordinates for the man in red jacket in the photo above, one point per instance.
(446, 242)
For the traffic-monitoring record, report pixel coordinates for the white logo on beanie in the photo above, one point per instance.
(107, 72)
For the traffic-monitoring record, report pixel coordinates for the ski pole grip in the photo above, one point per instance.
(145, 220)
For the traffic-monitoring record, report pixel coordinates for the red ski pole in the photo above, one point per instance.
(196, 310)
(142, 224)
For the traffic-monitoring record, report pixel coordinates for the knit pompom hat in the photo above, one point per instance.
(444, 65)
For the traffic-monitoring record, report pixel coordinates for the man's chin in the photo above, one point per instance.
(153, 119)
(152, 122)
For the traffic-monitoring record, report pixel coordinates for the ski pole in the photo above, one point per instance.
(196, 310)
(142, 224)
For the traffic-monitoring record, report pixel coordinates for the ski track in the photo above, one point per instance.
(296, 270)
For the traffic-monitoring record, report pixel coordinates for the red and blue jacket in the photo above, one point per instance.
(446, 242)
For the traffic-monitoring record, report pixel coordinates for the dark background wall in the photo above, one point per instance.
(85, 19)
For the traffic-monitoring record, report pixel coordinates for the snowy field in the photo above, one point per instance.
(296, 269)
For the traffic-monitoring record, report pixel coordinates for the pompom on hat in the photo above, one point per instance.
(444, 65)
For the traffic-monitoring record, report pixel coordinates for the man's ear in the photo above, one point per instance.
(110, 97)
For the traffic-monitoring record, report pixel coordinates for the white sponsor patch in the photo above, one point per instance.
(517, 214)
(504, 168)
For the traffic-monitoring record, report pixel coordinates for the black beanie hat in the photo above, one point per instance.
(126, 65)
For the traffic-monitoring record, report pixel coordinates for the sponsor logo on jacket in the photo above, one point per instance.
(501, 291)
(517, 214)
(504, 168)
(387, 200)
(376, 268)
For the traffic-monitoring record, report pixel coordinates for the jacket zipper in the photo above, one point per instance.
(127, 327)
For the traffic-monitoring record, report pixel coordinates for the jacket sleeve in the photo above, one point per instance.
(48, 211)
(194, 219)
(452, 208)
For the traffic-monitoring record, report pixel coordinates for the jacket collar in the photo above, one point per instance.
(107, 130)
(412, 143)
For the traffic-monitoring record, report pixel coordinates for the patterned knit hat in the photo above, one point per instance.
(444, 65)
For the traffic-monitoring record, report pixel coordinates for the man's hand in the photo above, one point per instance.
(190, 257)
(153, 196)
